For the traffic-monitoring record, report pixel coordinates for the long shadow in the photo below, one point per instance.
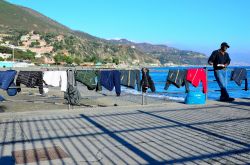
(150, 160)
(137, 151)
(147, 128)
(242, 103)
(198, 129)
(207, 156)
(131, 113)
(183, 142)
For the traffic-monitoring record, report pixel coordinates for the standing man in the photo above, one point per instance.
(220, 60)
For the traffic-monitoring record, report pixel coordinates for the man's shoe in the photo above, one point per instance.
(223, 99)
(230, 99)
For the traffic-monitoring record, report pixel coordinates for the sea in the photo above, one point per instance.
(159, 75)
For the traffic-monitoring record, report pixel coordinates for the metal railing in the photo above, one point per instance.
(144, 95)
(207, 70)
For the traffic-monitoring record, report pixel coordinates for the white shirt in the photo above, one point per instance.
(56, 79)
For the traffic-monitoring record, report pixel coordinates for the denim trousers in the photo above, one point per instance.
(221, 78)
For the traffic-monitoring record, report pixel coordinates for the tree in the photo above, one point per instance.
(77, 61)
(116, 60)
(1, 59)
(68, 59)
(58, 58)
(34, 44)
(107, 60)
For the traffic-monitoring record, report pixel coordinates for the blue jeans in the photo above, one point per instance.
(221, 78)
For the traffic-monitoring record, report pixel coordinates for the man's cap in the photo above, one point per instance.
(224, 44)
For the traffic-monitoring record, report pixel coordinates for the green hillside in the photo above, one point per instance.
(17, 21)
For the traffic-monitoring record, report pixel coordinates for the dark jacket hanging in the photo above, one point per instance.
(147, 81)
(110, 79)
(88, 78)
(31, 79)
(239, 74)
(72, 95)
(177, 78)
(131, 78)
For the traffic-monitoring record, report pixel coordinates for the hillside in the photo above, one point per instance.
(165, 53)
(53, 38)
(22, 18)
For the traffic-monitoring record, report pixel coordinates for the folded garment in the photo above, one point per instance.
(111, 79)
(56, 79)
(177, 78)
(31, 79)
(239, 74)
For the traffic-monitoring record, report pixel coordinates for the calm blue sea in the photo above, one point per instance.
(159, 76)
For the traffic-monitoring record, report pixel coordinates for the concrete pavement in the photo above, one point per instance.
(172, 133)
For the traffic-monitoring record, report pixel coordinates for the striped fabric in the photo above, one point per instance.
(31, 79)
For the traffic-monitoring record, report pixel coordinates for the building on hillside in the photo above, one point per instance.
(24, 38)
(87, 64)
(59, 38)
(5, 55)
(154, 64)
(38, 55)
(136, 61)
(42, 43)
(42, 50)
(47, 60)
(35, 37)
(22, 64)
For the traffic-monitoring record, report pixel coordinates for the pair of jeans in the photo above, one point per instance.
(221, 78)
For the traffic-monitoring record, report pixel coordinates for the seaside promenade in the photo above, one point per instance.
(126, 133)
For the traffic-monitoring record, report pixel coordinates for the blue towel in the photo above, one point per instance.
(111, 79)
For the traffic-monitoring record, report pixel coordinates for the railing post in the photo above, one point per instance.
(142, 98)
(206, 82)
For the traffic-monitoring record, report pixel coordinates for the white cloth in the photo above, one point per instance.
(56, 79)
(45, 90)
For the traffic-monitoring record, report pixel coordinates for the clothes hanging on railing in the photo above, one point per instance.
(147, 81)
(56, 79)
(177, 78)
(7, 81)
(72, 94)
(110, 79)
(89, 78)
(194, 76)
(239, 74)
(31, 79)
(131, 78)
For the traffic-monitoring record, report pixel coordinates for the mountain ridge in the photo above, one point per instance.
(19, 20)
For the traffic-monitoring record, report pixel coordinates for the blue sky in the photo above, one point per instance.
(199, 25)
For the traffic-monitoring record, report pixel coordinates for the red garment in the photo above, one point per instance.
(195, 76)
